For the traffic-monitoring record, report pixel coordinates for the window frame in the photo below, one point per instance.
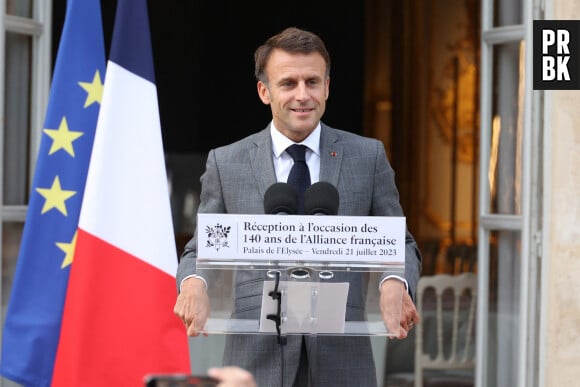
(528, 222)
(39, 29)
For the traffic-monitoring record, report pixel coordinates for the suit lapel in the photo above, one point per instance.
(331, 153)
(261, 161)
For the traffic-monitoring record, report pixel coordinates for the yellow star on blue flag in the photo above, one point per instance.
(55, 197)
(62, 138)
(68, 249)
(94, 89)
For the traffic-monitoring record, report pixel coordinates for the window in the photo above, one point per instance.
(24, 83)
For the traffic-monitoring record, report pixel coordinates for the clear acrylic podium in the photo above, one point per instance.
(296, 275)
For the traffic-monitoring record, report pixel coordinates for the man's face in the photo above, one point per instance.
(297, 90)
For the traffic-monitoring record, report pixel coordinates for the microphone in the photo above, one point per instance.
(281, 199)
(321, 199)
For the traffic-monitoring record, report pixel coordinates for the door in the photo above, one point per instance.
(509, 199)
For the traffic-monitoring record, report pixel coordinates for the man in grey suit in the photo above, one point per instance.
(292, 69)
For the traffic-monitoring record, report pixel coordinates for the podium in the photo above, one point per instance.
(299, 275)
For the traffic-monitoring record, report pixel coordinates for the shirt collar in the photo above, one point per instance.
(281, 142)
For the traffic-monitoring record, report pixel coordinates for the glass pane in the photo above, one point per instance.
(11, 235)
(19, 8)
(505, 160)
(504, 305)
(507, 12)
(17, 102)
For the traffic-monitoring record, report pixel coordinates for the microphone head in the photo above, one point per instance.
(280, 198)
(321, 199)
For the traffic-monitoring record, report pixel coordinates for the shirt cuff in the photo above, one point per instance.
(193, 276)
(395, 277)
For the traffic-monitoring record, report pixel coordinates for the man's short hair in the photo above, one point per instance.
(292, 40)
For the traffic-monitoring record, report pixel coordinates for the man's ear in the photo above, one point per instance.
(264, 93)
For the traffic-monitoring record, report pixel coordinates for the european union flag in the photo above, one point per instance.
(32, 328)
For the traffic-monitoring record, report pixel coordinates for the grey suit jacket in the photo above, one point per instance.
(236, 178)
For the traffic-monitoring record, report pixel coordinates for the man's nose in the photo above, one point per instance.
(302, 92)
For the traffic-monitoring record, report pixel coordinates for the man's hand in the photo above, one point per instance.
(192, 306)
(397, 308)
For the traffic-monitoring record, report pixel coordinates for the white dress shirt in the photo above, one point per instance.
(283, 161)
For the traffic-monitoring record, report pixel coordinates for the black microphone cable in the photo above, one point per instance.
(280, 199)
(276, 295)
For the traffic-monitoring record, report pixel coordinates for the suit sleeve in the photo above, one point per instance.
(211, 201)
(386, 203)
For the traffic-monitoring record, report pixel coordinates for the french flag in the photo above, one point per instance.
(118, 322)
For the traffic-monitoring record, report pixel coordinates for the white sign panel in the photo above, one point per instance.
(373, 239)
(310, 307)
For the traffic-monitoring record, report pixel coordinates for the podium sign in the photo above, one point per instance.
(279, 239)
(299, 274)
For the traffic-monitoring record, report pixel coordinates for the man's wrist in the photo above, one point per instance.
(393, 276)
(193, 276)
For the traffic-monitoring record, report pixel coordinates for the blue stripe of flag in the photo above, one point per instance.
(129, 48)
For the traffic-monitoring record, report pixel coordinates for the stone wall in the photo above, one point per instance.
(562, 334)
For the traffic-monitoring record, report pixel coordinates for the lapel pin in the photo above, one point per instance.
(333, 154)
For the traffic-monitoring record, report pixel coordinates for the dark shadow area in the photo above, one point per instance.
(203, 53)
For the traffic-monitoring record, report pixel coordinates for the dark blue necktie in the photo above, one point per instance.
(299, 177)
